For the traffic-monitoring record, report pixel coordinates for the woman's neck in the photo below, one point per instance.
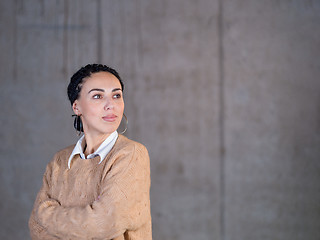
(93, 142)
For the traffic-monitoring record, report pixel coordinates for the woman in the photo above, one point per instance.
(98, 188)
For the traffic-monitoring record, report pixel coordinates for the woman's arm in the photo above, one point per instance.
(37, 231)
(123, 203)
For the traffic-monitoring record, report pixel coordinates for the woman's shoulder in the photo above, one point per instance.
(125, 143)
(127, 149)
(62, 156)
(127, 152)
(65, 152)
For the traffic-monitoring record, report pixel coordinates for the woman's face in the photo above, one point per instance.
(100, 104)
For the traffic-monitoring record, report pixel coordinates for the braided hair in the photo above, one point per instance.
(76, 81)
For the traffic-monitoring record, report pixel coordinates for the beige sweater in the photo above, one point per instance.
(109, 200)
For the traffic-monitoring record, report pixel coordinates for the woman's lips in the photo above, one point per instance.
(109, 118)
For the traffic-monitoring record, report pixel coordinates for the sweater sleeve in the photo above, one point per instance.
(123, 204)
(37, 231)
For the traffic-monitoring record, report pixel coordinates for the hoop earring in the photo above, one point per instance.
(126, 124)
(78, 124)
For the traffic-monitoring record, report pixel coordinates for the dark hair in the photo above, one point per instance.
(76, 81)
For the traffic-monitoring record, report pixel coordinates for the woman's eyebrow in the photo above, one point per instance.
(116, 89)
(96, 89)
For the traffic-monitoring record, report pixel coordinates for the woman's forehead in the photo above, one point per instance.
(102, 79)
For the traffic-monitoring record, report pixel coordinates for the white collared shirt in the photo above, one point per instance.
(102, 151)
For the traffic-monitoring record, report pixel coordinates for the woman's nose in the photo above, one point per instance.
(108, 104)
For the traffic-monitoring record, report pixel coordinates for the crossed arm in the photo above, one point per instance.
(123, 205)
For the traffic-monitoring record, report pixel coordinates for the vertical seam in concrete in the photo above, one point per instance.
(99, 32)
(139, 28)
(138, 65)
(65, 38)
(15, 43)
(123, 32)
(221, 120)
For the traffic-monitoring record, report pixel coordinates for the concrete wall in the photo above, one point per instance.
(224, 94)
(272, 120)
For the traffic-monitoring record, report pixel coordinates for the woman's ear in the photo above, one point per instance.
(75, 107)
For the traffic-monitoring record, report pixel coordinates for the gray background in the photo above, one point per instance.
(224, 94)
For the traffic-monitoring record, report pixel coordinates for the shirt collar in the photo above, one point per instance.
(102, 151)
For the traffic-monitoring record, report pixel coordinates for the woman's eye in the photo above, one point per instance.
(97, 96)
(117, 95)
